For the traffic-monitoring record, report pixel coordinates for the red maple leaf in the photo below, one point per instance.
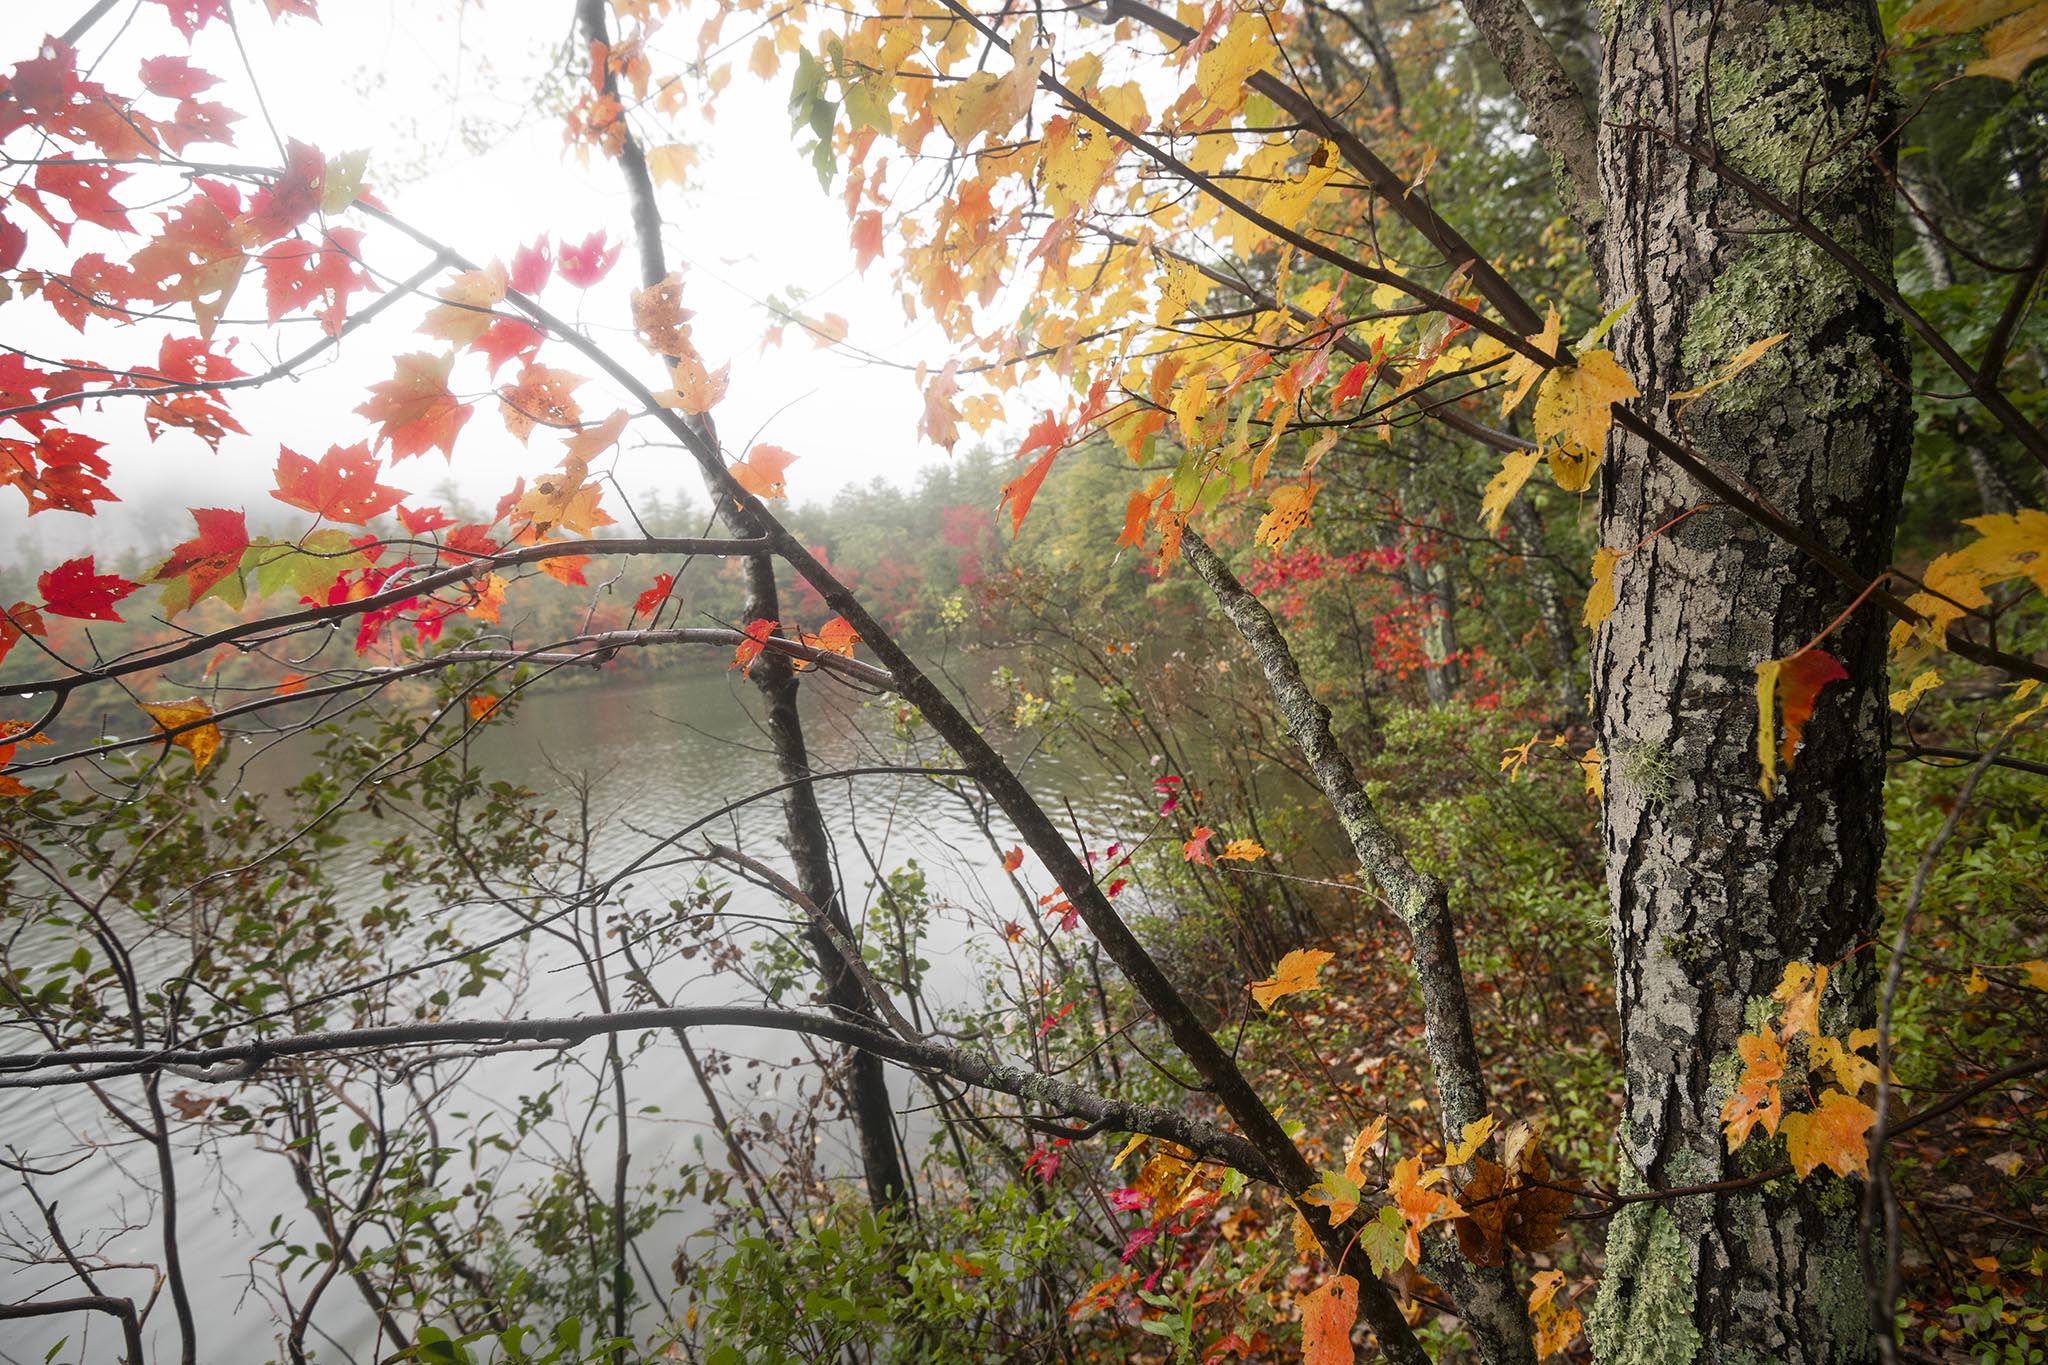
(531, 266)
(73, 589)
(342, 486)
(189, 16)
(297, 273)
(60, 470)
(867, 239)
(469, 542)
(175, 77)
(18, 620)
(418, 522)
(757, 633)
(416, 408)
(654, 596)
(585, 263)
(209, 557)
(291, 198)
(508, 339)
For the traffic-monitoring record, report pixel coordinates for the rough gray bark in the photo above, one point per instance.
(1489, 1299)
(1713, 887)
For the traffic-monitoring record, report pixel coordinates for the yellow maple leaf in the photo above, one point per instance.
(1746, 357)
(1902, 698)
(1502, 488)
(2014, 45)
(1589, 765)
(1573, 414)
(2010, 545)
(202, 741)
(1245, 49)
(1833, 1135)
(1243, 850)
(1600, 599)
(1957, 16)
(1288, 513)
(1799, 991)
(1296, 973)
(1523, 372)
(987, 103)
(1852, 1070)
(1470, 1139)
(467, 313)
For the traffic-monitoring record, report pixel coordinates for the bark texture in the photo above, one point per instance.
(1488, 1298)
(1555, 105)
(1713, 887)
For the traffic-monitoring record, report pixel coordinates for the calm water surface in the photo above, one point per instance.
(659, 753)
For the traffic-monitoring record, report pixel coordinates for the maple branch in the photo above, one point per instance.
(146, 659)
(405, 289)
(1413, 208)
(123, 1309)
(1963, 756)
(238, 1061)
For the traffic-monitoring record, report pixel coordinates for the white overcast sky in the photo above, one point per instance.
(403, 78)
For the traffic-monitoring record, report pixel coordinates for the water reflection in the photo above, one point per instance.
(655, 754)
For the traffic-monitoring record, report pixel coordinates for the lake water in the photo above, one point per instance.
(659, 751)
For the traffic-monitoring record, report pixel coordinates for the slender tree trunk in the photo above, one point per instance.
(1714, 888)
(809, 846)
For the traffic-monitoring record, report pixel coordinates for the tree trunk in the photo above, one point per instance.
(874, 1115)
(1714, 888)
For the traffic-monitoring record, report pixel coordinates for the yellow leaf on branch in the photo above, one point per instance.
(1574, 413)
(201, 741)
(1503, 487)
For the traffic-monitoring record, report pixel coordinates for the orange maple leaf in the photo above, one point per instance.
(1327, 1315)
(1833, 1135)
(541, 395)
(1296, 973)
(1018, 492)
(761, 472)
(415, 407)
(757, 633)
(1418, 1203)
(1014, 859)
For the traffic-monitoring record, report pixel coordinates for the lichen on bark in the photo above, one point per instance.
(1643, 1313)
